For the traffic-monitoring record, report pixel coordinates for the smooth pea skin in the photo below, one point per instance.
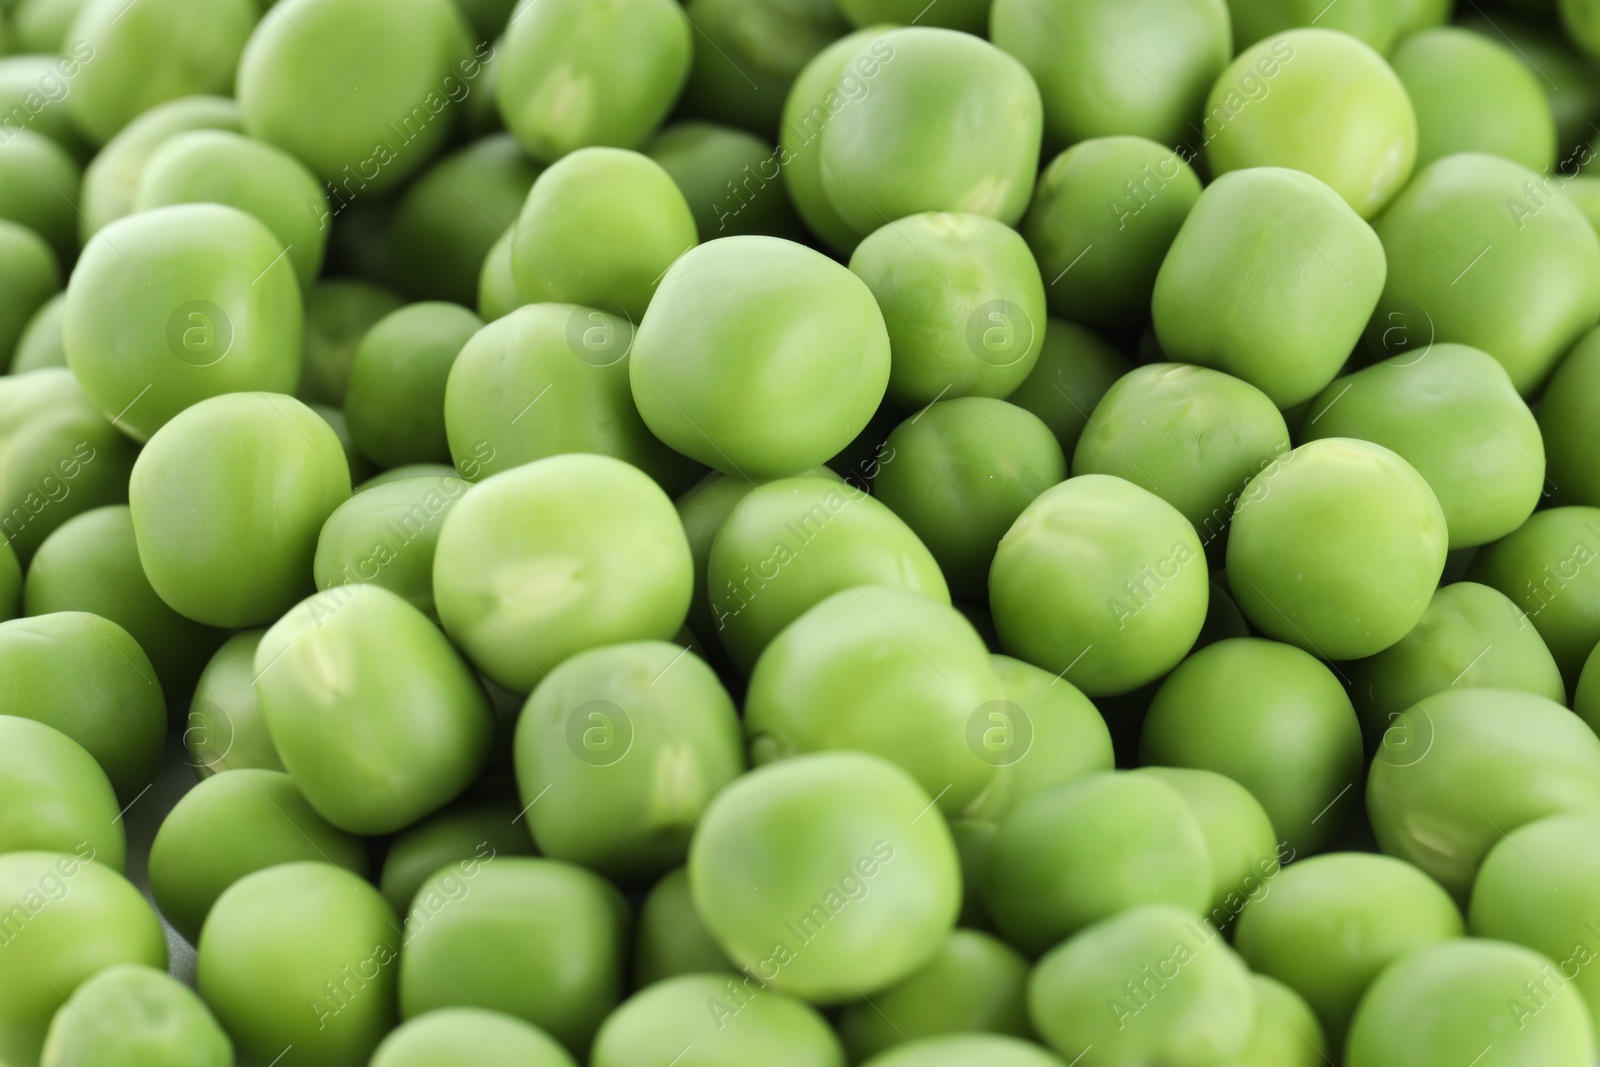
(790, 544)
(1190, 1000)
(724, 1022)
(272, 943)
(747, 55)
(1454, 415)
(267, 472)
(338, 315)
(360, 91)
(1336, 547)
(39, 181)
(1109, 67)
(578, 73)
(963, 301)
(1471, 636)
(1569, 422)
(1330, 924)
(172, 306)
(1545, 567)
(704, 158)
(1450, 1002)
(230, 826)
(1239, 836)
(224, 730)
(40, 345)
(388, 536)
(1287, 1033)
(53, 795)
(1074, 370)
(963, 1049)
(467, 1037)
(1271, 279)
(1099, 240)
(131, 1015)
(883, 670)
(759, 357)
(395, 397)
(671, 939)
(557, 556)
(1101, 582)
(854, 896)
(538, 939)
(1262, 107)
(1377, 22)
(472, 830)
(31, 276)
(1273, 719)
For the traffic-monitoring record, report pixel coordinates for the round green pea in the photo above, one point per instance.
(42, 25)
(1569, 423)
(395, 396)
(1376, 22)
(1544, 568)
(826, 876)
(1239, 836)
(54, 796)
(338, 314)
(131, 1015)
(468, 1037)
(627, 60)
(39, 183)
(748, 54)
(963, 1049)
(723, 1022)
(29, 276)
(729, 178)
(40, 344)
(224, 730)
(388, 536)
(1287, 1032)
(759, 357)
(33, 89)
(671, 940)
(230, 826)
(1101, 582)
(1547, 53)
(481, 828)
(497, 286)
(1074, 370)
(302, 955)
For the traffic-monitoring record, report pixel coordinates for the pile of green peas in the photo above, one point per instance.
(697, 533)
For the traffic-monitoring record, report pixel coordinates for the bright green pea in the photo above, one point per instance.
(1471, 636)
(1101, 582)
(879, 669)
(230, 826)
(451, 216)
(39, 182)
(1464, 767)
(826, 876)
(759, 357)
(360, 91)
(1543, 568)
(893, 151)
(1336, 547)
(33, 89)
(963, 1049)
(302, 955)
(723, 1022)
(729, 178)
(395, 396)
(625, 60)
(67, 920)
(87, 678)
(557, 556)
(468, 1037)
(748, 54)
(1152, 985)
(1378, 23)
(1109, 67)
(1074, 370)
(221, 167)
(1316, 79)
(1569, 422)
(497, 286)
(236, 459)
(131, 1015)
(1271, 279)
(1566, 78)
(671, 940)
(224, 730)
(29, 276)
(1287, 1032)
(338, 314)
(1273, 719)
(1525, 300)
(1447, 1003)
(1328, 925)
(40, 345)
(388, 537)
(473, 829)
(53, 795)
(538, 939)
(42, 26)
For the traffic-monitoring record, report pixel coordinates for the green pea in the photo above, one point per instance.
(962, 1049)
(1287, 1032)
(747, 55)
(1413, 15)
(1153, 984)
(42, 25)
(497, 286)
(395, 396)
(230, 826)
(224, 730)
(1121, 198)
(1376, 22)
(410, 470)
(1471, 636)
(475, 828)
(68, 919)
(538, 939)
(971, 16)
(451, 216)
(720, 1021)
(1272, 279)
(893, 151)
(40, 345)
(600, 227)
(338, 314)
(1569, 423)
(1108, 67)
(759, 357)
(55, 796)
(302, 955)
(235, 458)
(131, 1015)
(1562, 74)
(33, 88)
(388, 537)
(826, 876)
(29, 276)
(468, 1037)
(1336, 547)
(497, 415)
(1100, 582)
(557, 556)
(1541, 567)
(39, 183)
(1525, 300)
(1450, 1002)
(729, 178)
(626, 59)
(1074, 370)
(360, 91)
(671, 940)
(1317, 79)
(1581, 20)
